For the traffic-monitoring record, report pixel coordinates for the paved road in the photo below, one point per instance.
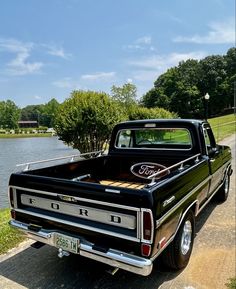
(212, 261)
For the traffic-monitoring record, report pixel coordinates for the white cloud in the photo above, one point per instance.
(142, 43)
(66, 82)
(104, 76)
(149, 68)
(37, 97)
(144, 40)
(160, 62)
(219, 33)
(58, 51)
(20, 64)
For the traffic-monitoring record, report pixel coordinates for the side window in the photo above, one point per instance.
(124, 139)
(209, 140)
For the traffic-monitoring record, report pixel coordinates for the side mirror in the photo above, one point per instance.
(213, 151)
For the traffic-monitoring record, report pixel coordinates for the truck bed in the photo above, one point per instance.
(111, 171)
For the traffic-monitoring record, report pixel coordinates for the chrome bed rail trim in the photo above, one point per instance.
(112, 257)
(72, 157)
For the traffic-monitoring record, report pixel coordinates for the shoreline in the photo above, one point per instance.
(4, 136)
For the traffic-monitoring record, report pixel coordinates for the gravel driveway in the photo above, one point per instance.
(211, 265)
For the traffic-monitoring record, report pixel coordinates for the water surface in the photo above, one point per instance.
(20, 150)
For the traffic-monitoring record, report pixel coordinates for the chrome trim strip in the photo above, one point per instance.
(227, 164)
(112, 257)
(173, 236)
(79, 199)
(112, 191)
(175, 165)
(214, 192)
(76, 225)
(57, 159)
(167, 214)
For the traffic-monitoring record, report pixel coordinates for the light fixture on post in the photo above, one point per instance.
(206, 99)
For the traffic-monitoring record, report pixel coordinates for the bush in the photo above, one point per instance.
(139, 112)
(86, 119)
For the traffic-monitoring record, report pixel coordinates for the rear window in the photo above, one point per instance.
(155, 138)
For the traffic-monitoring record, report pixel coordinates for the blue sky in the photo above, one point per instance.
(49, 48)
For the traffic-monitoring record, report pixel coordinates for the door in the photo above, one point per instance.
(214, 153)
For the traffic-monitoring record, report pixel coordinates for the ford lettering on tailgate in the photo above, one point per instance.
(93, 214)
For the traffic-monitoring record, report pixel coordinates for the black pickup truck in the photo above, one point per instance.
(128, 206)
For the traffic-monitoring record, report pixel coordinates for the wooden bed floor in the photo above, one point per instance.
(129, 185)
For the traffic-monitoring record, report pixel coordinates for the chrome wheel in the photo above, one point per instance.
(186, 238)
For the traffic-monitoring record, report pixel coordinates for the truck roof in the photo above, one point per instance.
(140, 123)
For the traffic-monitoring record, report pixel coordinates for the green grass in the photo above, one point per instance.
(223, 126)
(9, 237)
(25, 135)
(232, 283)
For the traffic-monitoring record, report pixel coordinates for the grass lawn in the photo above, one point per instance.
(25, 135)
(223, 126)
(9, 237)
(232, 283)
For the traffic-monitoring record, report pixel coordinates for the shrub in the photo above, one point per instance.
(140, 112)
(86, 119)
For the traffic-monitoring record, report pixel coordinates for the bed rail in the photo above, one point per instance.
(71, 157)
(180, 164)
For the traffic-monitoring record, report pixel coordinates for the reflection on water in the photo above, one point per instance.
(20, 150)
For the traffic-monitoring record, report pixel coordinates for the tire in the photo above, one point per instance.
(176, 256)
(223, 192)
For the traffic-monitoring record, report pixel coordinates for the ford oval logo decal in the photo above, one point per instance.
(145, 170)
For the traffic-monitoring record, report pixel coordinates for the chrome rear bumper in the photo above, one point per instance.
(112, 257)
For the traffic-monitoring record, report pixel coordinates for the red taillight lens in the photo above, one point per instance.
(147, 225)
(146, 249)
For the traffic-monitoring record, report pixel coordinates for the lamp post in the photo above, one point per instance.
(206, 99)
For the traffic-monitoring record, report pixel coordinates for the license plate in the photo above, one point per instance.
(66, 243)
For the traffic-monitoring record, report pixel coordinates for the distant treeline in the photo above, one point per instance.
(178, 92)
(44, 114)
(181, 89)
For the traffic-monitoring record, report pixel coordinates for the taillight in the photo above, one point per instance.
(147, 232)
(11, 199)
(147, 226)
(146, 250)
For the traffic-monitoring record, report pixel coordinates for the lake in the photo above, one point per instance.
(15, 151)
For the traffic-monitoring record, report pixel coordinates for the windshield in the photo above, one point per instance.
(155, 138)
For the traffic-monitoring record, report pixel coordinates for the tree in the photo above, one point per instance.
(230, 82)
(125, 94)
(49, 111)
(176, 90)
(85, 120)
(213, 76)
(181, 89)
(9, 114)
(139, 112)
(32, 112)
(43, 113)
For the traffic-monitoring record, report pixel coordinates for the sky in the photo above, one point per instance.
(49, 48)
